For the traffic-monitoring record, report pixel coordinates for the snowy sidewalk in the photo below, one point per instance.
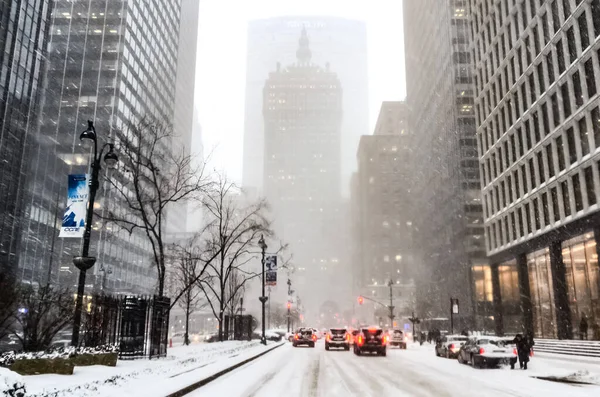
(183, 366)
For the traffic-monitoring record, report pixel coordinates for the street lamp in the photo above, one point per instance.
(263, 299)
(85, 262)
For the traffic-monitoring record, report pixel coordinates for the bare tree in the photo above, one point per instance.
(232, 234)
(47, 310)
(9, 299)
(154, 178)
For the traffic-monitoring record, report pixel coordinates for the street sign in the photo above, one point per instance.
(454, 306)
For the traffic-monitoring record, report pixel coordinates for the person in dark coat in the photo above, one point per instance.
(583, 327)
(523, 350)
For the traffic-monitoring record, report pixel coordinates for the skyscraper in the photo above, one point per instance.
(341, 43)
(440, 96)
(538, 120)
(302, 109)
(383, 238)
(111, 61)
(23, 32)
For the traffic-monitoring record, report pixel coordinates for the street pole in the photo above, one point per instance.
(451, 317)
(269, 309)
(263, 298)
(289, 314)
(391, 306)
(85, 262)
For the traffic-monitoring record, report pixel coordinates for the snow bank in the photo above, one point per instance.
(11, 383)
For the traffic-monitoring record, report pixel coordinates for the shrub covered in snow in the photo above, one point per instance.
(8, 358)
(11, 384)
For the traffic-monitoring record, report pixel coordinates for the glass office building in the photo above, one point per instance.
(111, 61)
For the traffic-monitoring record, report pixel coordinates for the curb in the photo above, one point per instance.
(200, 383)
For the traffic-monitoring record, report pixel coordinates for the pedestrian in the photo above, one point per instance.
(523, 350)
(583, 327)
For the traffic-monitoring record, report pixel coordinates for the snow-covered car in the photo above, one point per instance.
(371, 340)
(486, 351)
(398, 338)
(449, 345)
(337, 337)
(305, 336)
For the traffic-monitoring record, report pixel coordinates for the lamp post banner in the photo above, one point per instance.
(271, 270)
(78, 193)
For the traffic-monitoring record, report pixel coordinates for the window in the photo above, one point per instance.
(550, 159)
(590, 80)
(571, 44)
(583, 31)
(554, 194)
(583, 136)
(532, 173)
(564, 187)
(555, 110)
(564, 90)
(560, 54)
(589, 185)
(577, 193)
(540, 161)
(571, 145)
(596, 16)
(550, 68)
(560, 153)
(545, 208)
(555, 17)
(577, 88)
(596, 125)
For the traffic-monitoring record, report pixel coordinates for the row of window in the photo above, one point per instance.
(568, 196)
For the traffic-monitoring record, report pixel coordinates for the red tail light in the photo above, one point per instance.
(348, 337)
(515, 351)
(296, 337)
(314, 337)
(451, 347)
(384, 340)
(481, 350)
(359, 340)
(328, 338)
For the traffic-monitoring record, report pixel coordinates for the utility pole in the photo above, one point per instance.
(289, 305)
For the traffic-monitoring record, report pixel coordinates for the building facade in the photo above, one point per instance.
(23, 33)
(113, 62)
(341, 43)
(302, 110)
(448, 224)
(538, 120)
(384, 226)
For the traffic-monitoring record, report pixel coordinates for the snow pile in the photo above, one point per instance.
(582, 376)
(11, 384)
(107, 381)
(8, 358)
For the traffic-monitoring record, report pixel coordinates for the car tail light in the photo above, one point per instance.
(314, 337)
(481, 350)
(328, 338)
(359, 340)
(384, 340)
(348, 337)
(296, 337)
(451, 347)
(515, 351)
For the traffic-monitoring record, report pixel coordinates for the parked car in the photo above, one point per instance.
(398, 338)
(337, 337)
(371, 340)
(449, 345)
(210, 338)
(486, 351)
(305, 336)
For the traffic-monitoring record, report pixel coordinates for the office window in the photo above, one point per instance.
(560, 54)
(595, 115)
(590, 80)
(571, 145)
(596, 16)
(555, 110)
(550, 160)
(589, 185)
(577, 89)
(517, 185)
(564, 187)
(583, 31)
(583, 136)
(571, 44)
(564, 90)
(545, 208)
(554, 196)
(560, 154)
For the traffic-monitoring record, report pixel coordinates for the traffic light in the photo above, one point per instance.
(289, 305)
(360, 300)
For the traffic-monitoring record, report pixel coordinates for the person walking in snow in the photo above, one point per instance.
(523, 350)
(583, 327)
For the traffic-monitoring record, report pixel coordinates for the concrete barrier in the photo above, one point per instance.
(569, 347)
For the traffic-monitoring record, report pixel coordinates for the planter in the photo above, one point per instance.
(83, 360)
(38, 366)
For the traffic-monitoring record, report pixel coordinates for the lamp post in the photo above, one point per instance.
(263, 299)
(85, 262)
(391, 306)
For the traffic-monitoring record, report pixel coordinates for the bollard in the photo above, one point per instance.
(171, 342)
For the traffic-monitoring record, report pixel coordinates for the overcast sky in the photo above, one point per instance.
(220, 78)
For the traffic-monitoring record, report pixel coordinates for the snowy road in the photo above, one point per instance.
(307, 372)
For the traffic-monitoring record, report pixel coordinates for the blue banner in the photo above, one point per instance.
(271, 270)
(78, 192)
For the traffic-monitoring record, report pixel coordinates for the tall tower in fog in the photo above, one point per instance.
(302, 107)
(342, 43)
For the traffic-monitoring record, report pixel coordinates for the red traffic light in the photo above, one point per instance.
(360, 300)
(289, 305)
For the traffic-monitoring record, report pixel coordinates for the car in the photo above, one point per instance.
(371, 340)
(486, 351)
(449, 345)
(211, 338)
(509, 342)
(337, 337)
(397, 338)
(305, 336)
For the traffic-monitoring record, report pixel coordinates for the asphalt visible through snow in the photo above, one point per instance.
(314, 372)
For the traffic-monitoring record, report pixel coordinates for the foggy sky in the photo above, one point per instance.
(220, 79)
